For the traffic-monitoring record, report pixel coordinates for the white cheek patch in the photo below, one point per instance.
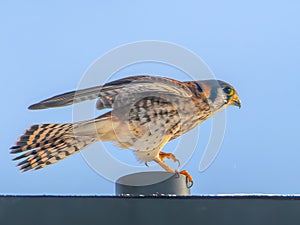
(218, 102)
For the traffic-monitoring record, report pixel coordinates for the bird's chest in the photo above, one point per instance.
(192, 113)
(153, 117)
(153, 121)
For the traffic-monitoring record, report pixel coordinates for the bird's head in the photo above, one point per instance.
(219, 94)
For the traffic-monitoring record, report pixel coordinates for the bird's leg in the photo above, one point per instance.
(168, 169)
(163, 165)
(163, 155)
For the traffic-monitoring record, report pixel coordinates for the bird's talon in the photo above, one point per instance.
(188, 177)
(189, 184)
(146, 163)
(163, 155)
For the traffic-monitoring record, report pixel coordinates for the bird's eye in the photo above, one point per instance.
(229, 91)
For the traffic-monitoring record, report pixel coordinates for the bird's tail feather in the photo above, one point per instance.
(46, 144)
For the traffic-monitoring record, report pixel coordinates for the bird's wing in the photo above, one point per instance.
(122, 89)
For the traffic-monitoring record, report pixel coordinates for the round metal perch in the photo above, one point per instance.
(154, 183)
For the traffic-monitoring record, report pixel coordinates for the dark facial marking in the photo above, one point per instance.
(199, 87)
(213, 94)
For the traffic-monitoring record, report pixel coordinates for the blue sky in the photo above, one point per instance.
(254, 45)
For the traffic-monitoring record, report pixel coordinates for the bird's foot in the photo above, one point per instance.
(189, 179)
(163, 155)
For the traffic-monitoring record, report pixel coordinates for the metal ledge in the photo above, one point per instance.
(214, 210)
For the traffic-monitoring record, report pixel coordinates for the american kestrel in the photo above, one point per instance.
(147, 112)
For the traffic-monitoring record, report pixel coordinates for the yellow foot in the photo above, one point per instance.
(189, 179)
(163, 155)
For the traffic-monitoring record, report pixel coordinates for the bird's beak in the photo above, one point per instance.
(235, 101)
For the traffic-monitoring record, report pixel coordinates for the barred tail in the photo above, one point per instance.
(46, 144)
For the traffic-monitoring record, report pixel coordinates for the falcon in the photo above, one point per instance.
(146, 113)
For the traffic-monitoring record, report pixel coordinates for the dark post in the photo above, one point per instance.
(154, 183)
